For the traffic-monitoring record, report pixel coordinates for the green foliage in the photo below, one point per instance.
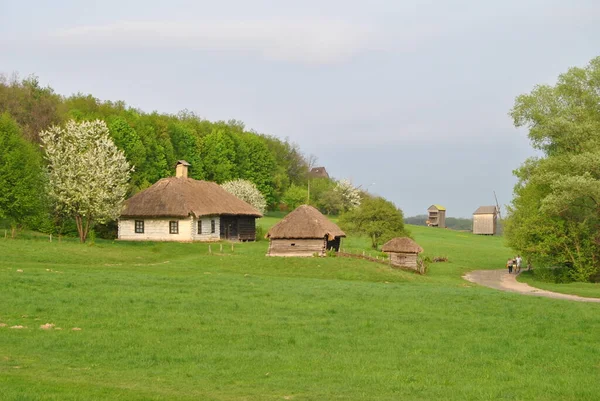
(33, 107)
(555, 215)
(294, 197)
(377, 218)
(21, 179)
(152, 142)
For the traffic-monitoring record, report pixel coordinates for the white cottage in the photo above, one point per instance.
(183, 209)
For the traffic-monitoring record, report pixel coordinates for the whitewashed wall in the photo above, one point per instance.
(206, 234)
(157, 230)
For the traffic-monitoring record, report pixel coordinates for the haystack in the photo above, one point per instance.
(304, 232)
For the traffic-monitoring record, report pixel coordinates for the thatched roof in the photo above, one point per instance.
(486, 210)
(305, 222)
(181, 197)
(401, 244)
(436, 207)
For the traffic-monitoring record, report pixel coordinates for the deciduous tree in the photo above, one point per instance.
(377, 218)
(248, 192)
(87, 173)
(555, 215)
(21, 182)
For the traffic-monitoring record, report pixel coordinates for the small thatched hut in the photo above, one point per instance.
(304, 232)
(403, 252)
(183, 209)
(436, 216)
(485, 220)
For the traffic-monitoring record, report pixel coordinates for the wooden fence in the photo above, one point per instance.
(381, 260)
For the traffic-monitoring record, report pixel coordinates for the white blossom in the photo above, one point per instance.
(349, 193)
(246, 191)
(88, 174)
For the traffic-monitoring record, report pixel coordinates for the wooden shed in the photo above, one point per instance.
(485, 220)
(304, 232)
(183, 209)
(403, 252)
(436, 216)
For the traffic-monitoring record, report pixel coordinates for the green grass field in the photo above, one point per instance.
(591, 290)
(163, 321)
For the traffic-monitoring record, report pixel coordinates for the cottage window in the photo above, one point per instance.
(173, 227)
(139, 226)
(199, 226)
(212, 226)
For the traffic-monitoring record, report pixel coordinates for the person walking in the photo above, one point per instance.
(518, 260)
(509, 265)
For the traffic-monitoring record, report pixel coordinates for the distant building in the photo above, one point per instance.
(183, 209)
(437, 216)
(318, 172)
(304, 232)
(485, 220)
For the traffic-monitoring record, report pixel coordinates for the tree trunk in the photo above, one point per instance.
(83, 227)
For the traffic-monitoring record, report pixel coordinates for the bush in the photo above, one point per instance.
(260, 233)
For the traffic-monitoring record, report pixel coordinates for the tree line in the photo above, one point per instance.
(152, 143)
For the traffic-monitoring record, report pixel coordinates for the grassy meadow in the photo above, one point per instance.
(167, 321)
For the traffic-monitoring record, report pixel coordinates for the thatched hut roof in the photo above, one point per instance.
(305, 222)
(401, 245)
(181, 197)
(486, 210)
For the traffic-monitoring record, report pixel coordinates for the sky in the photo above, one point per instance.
(408, 99)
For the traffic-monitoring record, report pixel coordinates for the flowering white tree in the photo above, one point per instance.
(246, 191)
(349, 193)
(87, 173)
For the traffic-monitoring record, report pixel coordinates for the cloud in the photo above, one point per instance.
(311, 41)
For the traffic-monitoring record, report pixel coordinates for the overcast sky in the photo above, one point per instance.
(407, 98)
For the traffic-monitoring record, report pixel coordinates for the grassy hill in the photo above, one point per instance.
(169, 321)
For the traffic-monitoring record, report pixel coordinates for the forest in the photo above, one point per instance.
(153, 142)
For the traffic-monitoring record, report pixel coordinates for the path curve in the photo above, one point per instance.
(501, 280)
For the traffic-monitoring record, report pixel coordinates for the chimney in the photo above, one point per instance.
(182, 169)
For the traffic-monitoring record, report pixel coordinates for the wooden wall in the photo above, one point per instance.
(442, 219)
(247, 228)
(484, 224)
(296, 247)
(404, 260)
(437, 218)
(238, 228)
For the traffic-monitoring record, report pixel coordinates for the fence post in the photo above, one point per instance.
(221, 248)
(209, 249)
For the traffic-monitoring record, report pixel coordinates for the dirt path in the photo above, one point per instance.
(501, 280)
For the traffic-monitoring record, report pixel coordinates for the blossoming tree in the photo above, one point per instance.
(87, 173)
(248, 192)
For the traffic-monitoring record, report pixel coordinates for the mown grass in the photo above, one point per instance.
(591, 290)
(169, 321)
